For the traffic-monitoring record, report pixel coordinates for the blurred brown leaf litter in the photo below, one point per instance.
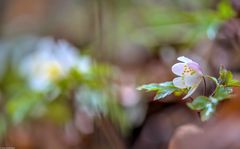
(139, 40)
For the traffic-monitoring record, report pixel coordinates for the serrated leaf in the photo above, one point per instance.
(213, 100)
(207, 112)
(163, 89)
(149, 87)
(167, 84)
(222, 93)
(199, 103)
(225, 76)
(234, 83)
(164, 93)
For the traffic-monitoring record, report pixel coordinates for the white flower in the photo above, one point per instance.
(190, 75)
(51, 61)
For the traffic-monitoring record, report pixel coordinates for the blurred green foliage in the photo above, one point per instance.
(78, 90)
(183, 23)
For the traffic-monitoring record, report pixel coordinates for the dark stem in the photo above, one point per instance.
(191, 98)
(205, 86)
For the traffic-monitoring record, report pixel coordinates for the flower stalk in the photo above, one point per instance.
(205, 86)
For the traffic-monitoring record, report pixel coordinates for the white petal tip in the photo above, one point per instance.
(184, 59)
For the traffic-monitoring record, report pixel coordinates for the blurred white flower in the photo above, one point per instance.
(51, 61)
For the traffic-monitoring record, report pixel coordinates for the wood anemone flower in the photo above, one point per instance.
(189, 75)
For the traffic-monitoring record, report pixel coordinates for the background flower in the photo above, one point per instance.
(51, 61)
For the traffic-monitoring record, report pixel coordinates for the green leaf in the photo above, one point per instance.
(204, 105)
(164, 93)
(208, 111)
(58, 112)
(199, 103)
(19, 107)
(213, 100)
(222, 93)
(234, 83)
(225, 10)
(150, 87)
(225, 76)
(163, 89)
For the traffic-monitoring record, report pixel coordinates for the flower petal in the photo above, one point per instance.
(178, 68)
(184, 59)
(179, 82)
(192, 80)
(195, 66)
(39, 84)
(192, 90)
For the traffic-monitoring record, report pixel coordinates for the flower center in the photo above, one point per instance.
(53, 71)
(188, 70)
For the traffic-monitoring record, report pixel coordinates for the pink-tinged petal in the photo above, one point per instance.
(179, 82)
(184, 59)
(178, 68)
(191, 80)
(192, 90)
(195, 66)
